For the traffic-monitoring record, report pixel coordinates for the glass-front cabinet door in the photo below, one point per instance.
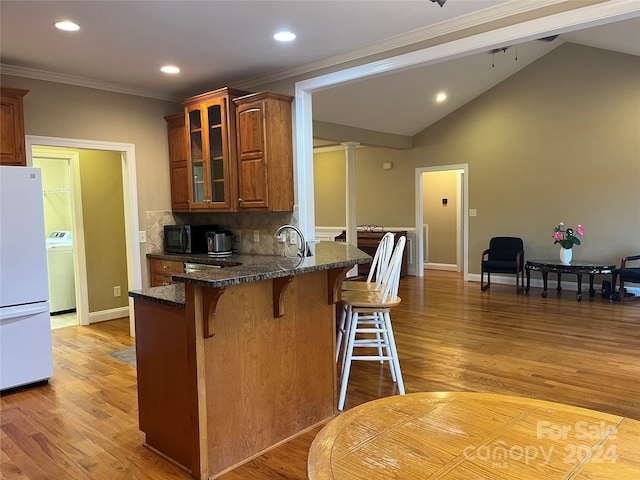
(209, 155)
(217, 149)
(196, 151)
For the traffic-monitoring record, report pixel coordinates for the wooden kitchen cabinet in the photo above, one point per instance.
(178, 164)
(161, 271)
(211, 150)
(12, 145)
(264, 152)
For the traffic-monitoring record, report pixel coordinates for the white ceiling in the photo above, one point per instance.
(408, 98)
(122, 44)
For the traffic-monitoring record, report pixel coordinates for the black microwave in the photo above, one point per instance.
(187, 238)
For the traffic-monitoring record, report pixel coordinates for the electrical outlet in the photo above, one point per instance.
(473, 212)
(116, 291)
(256, 236)
(142, 237)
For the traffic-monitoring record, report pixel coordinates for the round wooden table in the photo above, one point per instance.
(466, 436)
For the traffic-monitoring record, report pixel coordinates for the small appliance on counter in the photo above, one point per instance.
(219, 243)
(187, 238)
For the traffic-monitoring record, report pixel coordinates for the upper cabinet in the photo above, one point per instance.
(211, 142)
(178, 165)
(232, 151)
(265, 154)
(12, 146)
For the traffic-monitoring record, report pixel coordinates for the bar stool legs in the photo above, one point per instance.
(370, 323)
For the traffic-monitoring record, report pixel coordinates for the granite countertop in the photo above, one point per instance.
(172, 295)
(245, 268)
(225, 262)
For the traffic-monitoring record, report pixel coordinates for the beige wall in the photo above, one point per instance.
(104, 233)
(58, 110)
(329, 180)
(558, 141)
(383, 197)
(442, 219)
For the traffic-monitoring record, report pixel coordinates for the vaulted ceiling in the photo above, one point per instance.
(122, 44)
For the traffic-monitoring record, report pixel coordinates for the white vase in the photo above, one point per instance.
(565, 255)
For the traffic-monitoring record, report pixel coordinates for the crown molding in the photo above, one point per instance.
(84, 82)
(474, 19)
(497, 12)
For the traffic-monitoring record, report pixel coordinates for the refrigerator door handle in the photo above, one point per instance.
(20, 311)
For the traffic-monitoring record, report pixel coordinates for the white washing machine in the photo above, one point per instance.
(62, 287)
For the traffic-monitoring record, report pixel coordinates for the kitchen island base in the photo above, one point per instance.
(223, 378)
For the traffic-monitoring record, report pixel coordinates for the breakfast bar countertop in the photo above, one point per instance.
(250, 268)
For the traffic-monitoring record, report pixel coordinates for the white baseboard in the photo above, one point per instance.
(111, 314)
(551, 283)
(451, 267)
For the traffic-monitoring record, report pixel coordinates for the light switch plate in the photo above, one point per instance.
(473, 212)
(256, 236)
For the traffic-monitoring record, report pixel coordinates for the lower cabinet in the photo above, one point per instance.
(161, 271)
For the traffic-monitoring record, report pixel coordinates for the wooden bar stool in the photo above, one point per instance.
(368, 324)
(378, 268)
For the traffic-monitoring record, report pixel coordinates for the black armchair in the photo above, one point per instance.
(627, 273)
(504, 255)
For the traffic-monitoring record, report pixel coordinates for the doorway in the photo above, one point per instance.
(61, 216)
(126, 154)
(442, 220)
(461, 241)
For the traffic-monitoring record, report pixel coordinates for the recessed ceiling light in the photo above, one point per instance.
(441, 97)
(170, 69)
(284, 36)
(67, 26)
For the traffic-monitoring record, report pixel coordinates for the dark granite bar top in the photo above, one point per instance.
(251, 268)
(225, 262)
(172, 295)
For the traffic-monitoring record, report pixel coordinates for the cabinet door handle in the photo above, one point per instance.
(164, 267)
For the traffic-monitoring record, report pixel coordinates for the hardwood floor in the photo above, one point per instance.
(451, 337)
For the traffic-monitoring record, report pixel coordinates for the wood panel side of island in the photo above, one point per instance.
(268, 379)
(167, 388)
(236, 370)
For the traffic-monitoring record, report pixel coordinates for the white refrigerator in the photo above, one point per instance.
(25, 329)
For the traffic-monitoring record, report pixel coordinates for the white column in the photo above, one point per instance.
(350, 154)
(303, 165)
(352, 223)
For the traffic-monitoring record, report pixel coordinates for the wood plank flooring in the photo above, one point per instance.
(451, 337)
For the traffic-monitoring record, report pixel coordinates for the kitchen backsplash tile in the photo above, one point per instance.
(246, 226)
(155, 229)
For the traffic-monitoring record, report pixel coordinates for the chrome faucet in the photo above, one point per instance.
(303, 250)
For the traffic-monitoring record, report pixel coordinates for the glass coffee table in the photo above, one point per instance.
(577, 268)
